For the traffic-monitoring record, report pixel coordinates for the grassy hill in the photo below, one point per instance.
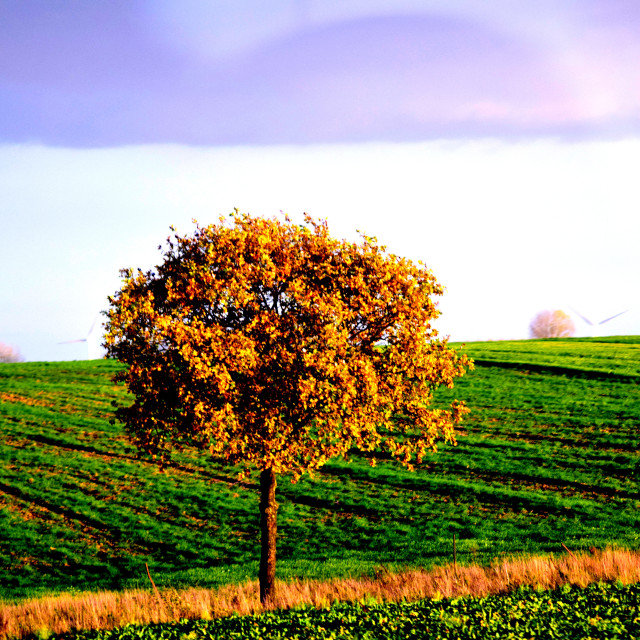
(549, 455)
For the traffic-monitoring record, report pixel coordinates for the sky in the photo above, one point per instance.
(496, 141)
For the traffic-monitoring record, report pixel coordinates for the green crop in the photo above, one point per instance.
(599, 611)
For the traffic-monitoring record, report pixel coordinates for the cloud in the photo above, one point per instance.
(93, 74)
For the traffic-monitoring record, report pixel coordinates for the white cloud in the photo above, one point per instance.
(509, 229)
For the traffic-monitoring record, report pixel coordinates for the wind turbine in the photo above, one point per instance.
(91, 348)
(597, 324)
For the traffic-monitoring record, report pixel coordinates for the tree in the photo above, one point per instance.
(276, 347)
(9, 353)
(552, 324)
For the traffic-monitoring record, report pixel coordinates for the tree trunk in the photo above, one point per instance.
(268, 530)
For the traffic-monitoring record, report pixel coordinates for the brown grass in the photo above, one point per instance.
(20, 399)
(62, 613)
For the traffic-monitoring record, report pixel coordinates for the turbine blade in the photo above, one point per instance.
(612, 317)
(93, 325)
(581, 316)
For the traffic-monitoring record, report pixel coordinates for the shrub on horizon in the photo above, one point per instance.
(552, 324)
(9, 353)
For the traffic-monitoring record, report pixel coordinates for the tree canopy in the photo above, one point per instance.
(9, 353)
(552, 324)
(277, 347)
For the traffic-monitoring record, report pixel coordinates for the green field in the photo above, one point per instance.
(548, 455)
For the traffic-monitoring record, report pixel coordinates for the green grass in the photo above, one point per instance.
(605, 356)
(549, 455)
(598, 611)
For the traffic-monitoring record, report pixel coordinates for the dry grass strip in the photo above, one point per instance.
(104, 610)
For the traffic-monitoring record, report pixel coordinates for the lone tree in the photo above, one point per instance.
(9, 353)
(274, 346)
(552, 324)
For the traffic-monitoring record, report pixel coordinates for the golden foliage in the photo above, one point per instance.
(276, 346)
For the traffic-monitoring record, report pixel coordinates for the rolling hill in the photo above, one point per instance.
(548, 455)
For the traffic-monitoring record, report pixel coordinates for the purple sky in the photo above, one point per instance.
(90, 74)
(496, 140)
